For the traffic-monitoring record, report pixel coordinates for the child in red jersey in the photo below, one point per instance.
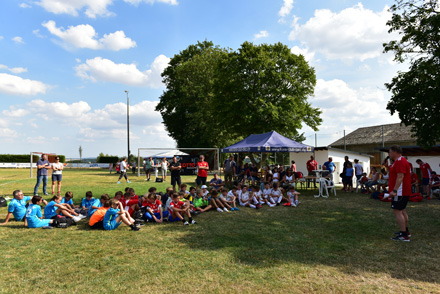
(154, 209)
(178, 211)
(129, 203)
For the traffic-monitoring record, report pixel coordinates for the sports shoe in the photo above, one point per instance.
(46, 194)
(400, 237)
(193, 222)
(134, 228)
(236, 209)
(186, 223)
(293, 204)
(128, 182)
(225, 209)
(76, 219)
(82, 216)
(286, 204)
(47, 227)
(398, 233)
(118, 182)
(219, 210)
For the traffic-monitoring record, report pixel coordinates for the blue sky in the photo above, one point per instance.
(64, 67)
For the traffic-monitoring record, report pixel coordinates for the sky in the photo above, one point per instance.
(65, 65)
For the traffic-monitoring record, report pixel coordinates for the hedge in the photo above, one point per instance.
(107, 159)
(27, 158)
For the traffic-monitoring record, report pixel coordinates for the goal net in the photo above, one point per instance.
(50, 157)
(188, 158)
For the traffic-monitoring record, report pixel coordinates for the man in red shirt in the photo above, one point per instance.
(312, 165)
(426, 175)
(202, 174)
(400, 183)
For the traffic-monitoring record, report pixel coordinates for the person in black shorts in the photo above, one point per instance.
(175, 168)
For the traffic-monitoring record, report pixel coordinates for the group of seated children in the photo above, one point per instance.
(133, 211)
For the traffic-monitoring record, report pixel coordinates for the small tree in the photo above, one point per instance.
(80, 153)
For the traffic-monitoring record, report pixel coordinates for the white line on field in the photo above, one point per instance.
(11, 182)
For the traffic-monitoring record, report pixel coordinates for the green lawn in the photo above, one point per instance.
(336, 245)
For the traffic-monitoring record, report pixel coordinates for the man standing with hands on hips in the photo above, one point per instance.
(400, 183)
(202, 171)
(42, 166)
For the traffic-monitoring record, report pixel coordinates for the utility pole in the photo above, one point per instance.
(128, 126)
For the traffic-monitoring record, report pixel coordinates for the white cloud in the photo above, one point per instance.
(93, 8)
(15, 113)
(136, 2)
(18, 40)
(261, 34)
(101, 69)
(25, 5)
(14, 85)
(285, 10)
(354, 33)
(304, 52)
(346, 108)
(37, 33)
(1, 37)
(85, 36)
(6, 133)
(15, 70)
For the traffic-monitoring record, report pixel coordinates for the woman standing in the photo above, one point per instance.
(57, 175)
(164, 167)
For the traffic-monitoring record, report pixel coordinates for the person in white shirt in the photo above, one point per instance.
(292, 197)
(245, 199)
(123, 171)
(359, 170)
(164, 168)
(57, 175)
(276, 194)
(267, 194)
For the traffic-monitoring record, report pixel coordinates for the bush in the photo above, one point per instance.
(27, 158)
(107, 159)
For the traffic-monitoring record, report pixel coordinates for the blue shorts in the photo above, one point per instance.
(41, 223)
(171, 219)
(112, 226)
(425, 181)
(56, 178)
(149, 217)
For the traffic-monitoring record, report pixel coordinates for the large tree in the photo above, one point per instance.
(215, 96)
(416, 92)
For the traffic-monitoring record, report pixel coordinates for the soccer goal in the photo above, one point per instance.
(188, 157)
(50, 157)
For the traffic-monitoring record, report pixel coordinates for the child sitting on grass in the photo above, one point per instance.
(227, 199)
(98, 203)
(34, 216)
(215, 201)
(116, 215)
(178, 211)
(87, 202)
(154, 212)
(276, 194)
(55, 208)
(67, 199)
(183, 188)
(245, 199)
(130, 203)
(201, 204)
(254, 195)
(97, 219)
(292, 197)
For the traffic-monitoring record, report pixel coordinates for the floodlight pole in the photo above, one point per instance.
(128, 127)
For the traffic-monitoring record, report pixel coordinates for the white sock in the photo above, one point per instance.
(252, 206)
(279, 199)
(272, 205)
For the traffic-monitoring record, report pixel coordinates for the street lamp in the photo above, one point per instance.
(128, 126)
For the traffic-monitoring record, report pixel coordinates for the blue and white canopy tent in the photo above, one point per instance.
(267, 142)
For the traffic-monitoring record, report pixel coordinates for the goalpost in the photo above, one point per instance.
(32, 160)
(157, 150)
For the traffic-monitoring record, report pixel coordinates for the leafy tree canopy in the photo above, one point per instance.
(216, 96)
(415, 93)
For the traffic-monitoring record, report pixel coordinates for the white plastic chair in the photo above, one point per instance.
(328, 185)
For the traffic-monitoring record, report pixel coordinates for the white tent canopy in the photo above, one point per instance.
(167, 154)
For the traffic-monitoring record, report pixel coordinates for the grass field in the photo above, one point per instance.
(336, 245)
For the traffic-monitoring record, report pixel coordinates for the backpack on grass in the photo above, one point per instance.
(63, 222)
(3, 202)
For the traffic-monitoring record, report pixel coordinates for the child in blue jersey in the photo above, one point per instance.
(67, 199)
(34, 216)
(98, 203)
(17, 207)
(87, 202)
(116, 215)
(55, 208)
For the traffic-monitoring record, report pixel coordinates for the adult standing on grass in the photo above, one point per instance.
(147, 167)
(123, 171)
(57, 175)
(175, 168)
(229, 170)
(202, 171)
(164, 164)
(400, 182)
(42, 166)
(426, 175)
(330, 166)
(312, 165)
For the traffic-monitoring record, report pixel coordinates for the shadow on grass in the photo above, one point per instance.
(354, 237)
